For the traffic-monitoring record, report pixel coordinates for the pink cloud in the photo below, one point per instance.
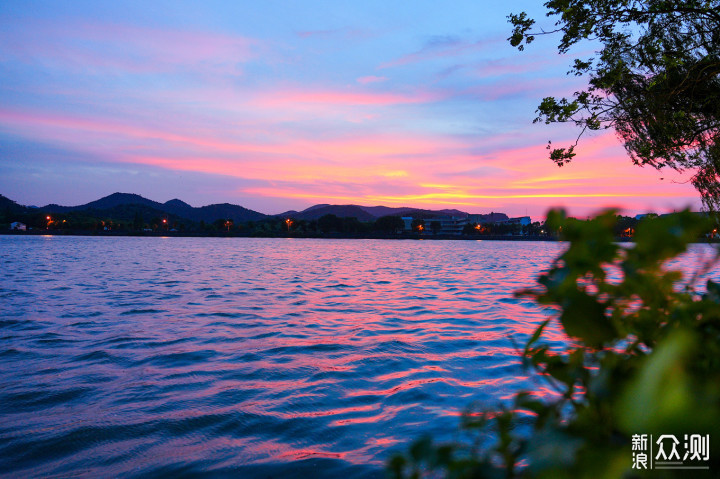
(334, 97)
(93, 47)
(443, 49)
(525, 87)
(56, 127)
(389, 168)
(516, 65)
(359, 148)
(371, 79)
(590, 186)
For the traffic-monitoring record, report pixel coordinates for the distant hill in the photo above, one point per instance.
(491, 217)
(314, 207)
(129, 213)
(367, 213)
(379, 211)
(106, 203)
(9, 206)
(178, 207)
(126, 205)
(226, 210)
(174, 207)
(341, 211)
(118, 199)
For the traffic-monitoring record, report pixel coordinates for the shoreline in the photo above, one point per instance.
(180, 234)
(341, 236)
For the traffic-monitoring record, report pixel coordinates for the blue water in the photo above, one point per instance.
(250, 357)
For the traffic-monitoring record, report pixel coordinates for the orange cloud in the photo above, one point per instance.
(388, 168)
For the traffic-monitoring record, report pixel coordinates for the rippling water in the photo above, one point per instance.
(259, 357)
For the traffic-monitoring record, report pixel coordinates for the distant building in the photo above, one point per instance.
(17, 226)
(520, 220)
(491, 217)
(477, 219)
(449, 225)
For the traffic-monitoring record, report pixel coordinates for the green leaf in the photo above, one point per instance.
(583, 317)
(713, 291)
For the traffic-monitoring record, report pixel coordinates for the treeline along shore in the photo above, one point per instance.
(318, 235)
(123, 214)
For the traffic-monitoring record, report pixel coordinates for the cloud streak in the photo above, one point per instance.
(84, 47)
(443, 47)
(349, 107)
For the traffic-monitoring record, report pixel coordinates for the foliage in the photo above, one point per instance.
(329, 222)
(418, 224)
(471, 229)
(435, 226)
(643, 357)
(655, 80)
(138, 221)
(223, 225)
(389, 224)
(625, 226)
(350, 224)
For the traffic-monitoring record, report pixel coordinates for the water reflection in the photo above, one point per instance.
(166, 355)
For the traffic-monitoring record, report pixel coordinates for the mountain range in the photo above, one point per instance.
(366, 213)
(174, 207)
(125, 204)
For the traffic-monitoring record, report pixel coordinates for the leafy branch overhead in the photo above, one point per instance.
(655, 80)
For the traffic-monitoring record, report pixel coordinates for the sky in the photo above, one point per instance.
(279, 105)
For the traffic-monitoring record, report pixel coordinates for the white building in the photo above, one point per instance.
(17, 226)
(449, 225)
(520, 220)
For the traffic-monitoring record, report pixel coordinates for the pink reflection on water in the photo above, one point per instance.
(384, 414)
(273, 351)
(306, 454)
(402, 374)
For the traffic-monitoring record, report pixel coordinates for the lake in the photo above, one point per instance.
(125, 356)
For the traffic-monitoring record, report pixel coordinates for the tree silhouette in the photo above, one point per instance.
(655, 81)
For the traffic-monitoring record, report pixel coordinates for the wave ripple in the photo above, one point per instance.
(292, 358)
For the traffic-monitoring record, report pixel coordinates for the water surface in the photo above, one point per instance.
(260, 357)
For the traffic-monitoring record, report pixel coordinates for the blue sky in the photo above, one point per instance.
(280, 105)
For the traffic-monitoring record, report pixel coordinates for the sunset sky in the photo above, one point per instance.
(280, 105)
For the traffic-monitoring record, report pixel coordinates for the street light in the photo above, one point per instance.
(288, 222)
